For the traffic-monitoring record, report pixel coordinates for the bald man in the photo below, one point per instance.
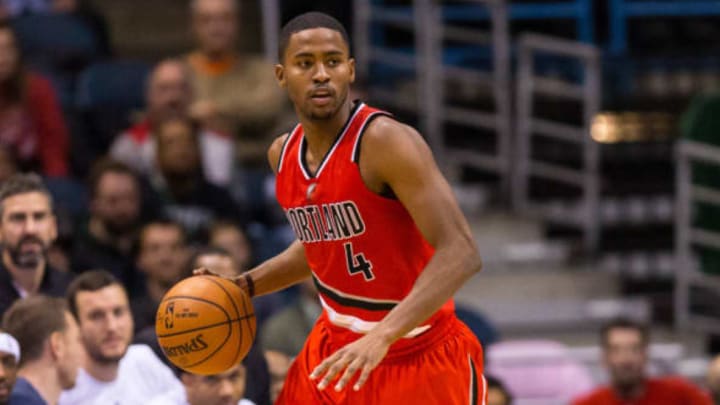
(169, 95)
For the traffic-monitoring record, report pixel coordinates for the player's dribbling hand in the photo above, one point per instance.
(362, 355)
(239, 280)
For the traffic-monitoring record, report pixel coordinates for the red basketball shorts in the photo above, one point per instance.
(443, 366)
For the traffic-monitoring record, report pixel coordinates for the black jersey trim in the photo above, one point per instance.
(303, 145)
(356, 148)
(352, 301)
(284, 145)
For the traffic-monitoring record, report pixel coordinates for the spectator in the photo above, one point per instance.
(168, 96)
(27, 229)
(287, 330)
(161, 259)
(278, 364)
(31, 122)
(220, 261)
(50, 349)
(234, 240)
(187, 196)
(114, 372)
(237, 94)
(225, 388)
(9, 359)
(106, 239)
(713, 380)
(497, 394)
(84, 11)
(8, 163)
(14, 8)
(625, 354)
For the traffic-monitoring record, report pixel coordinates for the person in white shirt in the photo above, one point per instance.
(114, 372)
(225, 388)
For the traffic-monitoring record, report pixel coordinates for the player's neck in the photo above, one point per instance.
(321, 134)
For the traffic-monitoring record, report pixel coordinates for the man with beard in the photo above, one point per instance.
(169, 95)
(625, 354)
(9, 359)
(113, 372)
(27, 229)
(105, 241)
(161, 259)
(50, 349)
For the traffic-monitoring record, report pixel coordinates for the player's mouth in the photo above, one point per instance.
(321, 97)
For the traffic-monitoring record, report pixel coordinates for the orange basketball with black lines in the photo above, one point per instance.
(205, 324)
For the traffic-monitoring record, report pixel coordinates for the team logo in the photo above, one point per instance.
(310, 190)
(169, 312)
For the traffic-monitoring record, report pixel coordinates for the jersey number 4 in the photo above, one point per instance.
(356, 263)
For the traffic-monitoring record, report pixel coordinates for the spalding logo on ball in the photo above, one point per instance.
(205, 325)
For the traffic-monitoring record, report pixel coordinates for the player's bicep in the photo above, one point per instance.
(405, 163)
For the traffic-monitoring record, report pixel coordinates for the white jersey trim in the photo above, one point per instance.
(358, 325)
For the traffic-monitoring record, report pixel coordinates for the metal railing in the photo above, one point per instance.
(585, 214)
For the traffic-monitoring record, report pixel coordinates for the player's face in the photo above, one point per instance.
(105, 323)
(625, 357)
(227, 388)
(9, 55)
(70, 354)
(27, 228)
(317, 72)
(8, 372)
(117, 202)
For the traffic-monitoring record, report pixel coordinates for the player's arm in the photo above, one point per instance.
(394, 155)
(289, 267)
(284, 270)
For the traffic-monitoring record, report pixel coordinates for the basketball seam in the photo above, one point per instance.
(237, 312)
(204, 327)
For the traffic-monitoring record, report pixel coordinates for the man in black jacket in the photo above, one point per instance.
(27, 229)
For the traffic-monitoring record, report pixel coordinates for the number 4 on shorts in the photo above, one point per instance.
(356, 263)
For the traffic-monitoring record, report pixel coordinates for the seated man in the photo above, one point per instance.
(114, 372)
(28, 228)
(169, 95)
(625, 354)
(50, 349)
(225, 388)
(9, 359)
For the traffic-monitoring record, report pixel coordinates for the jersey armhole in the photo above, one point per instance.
(387, 192)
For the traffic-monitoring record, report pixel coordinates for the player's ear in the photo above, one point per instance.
(280, 75)
(351, 66)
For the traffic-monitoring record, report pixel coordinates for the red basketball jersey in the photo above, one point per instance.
(364, 249)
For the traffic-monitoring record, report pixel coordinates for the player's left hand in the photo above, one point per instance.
(361, 355)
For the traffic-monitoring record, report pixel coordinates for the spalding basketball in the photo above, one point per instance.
(205, 324)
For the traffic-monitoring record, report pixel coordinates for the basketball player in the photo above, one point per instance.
(380, 233)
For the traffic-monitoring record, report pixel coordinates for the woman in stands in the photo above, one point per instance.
(31, 122)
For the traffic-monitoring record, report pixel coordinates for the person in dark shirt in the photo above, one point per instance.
(9, 358)
(28, 229)
(162, 256)
(180, 183)
(50, 349)
(106, 239)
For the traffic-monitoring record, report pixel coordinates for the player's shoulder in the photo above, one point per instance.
(387, 133)
(275, 150)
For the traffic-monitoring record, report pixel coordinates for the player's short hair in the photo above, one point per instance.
(22, 183)
(306, 21)
(624, 323)
(32, 320)
(103, 167)
(91, 281)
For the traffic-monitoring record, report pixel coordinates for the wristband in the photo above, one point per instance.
(250, 284)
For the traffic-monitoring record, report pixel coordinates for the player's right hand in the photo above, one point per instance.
(239, 280)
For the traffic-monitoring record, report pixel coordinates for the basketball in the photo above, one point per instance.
(205, 324)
